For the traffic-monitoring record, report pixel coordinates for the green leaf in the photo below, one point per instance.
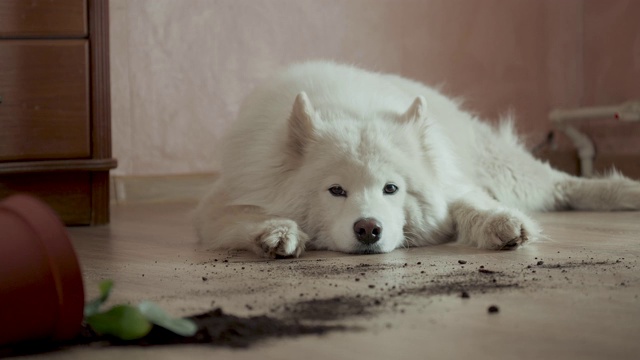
(123, 321)
(93, 306)
(156, 315)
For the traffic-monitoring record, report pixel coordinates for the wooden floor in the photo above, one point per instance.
(575, 295)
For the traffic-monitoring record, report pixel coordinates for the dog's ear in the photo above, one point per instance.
(417, 111)
(301, 125)
(416, 117)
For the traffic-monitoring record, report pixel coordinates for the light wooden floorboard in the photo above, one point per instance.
(587, 309)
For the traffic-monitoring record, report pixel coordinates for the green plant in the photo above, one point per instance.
(130, 322)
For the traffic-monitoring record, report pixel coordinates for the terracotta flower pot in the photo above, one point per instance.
(41, 292)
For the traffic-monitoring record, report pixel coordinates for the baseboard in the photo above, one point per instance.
(159, 188)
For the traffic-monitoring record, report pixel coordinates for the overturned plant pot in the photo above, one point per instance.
(41, 292)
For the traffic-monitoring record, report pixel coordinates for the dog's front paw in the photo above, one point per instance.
(505, 231)
(281, 238)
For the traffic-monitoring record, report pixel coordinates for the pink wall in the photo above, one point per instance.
(612, 69)
(499, 55)
(611, 51)
(181, 68)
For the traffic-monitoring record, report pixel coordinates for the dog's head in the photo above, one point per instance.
(364, 178)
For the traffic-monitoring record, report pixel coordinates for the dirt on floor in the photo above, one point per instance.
(319, 315)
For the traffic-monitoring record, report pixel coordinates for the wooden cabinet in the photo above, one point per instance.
(55, 130)
(43, 18)
(45, 106)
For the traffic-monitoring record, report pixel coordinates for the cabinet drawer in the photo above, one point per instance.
(30, 18)
(68, 193)
(44, 106)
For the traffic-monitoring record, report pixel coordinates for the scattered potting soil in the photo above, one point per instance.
(368, 305)
(486, 271)
(220, 329)
(574, 264)
(214, 328)
(463, 282)
(313, 270)
(335, 308)
(318, 315)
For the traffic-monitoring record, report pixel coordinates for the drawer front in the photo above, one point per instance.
(37, 18)
(68, 193)
(44, 105)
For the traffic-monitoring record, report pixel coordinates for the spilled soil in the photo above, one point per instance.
(218, 329)
(331, 309)
(320, 314)
(215, 328)
(458, 283)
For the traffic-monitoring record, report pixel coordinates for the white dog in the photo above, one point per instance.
(329, 156)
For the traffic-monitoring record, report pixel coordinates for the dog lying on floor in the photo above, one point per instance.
(329, 156)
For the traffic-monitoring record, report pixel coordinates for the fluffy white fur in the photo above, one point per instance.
(320, 125)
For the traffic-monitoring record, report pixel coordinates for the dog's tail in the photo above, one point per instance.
(609, 193)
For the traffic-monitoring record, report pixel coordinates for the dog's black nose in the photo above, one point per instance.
(367, 230)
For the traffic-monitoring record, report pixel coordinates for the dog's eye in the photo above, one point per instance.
(337, 190)
(390, 189)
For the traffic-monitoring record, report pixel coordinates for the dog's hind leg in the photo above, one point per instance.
(481, 221)
(611, 193)
(247, 227)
